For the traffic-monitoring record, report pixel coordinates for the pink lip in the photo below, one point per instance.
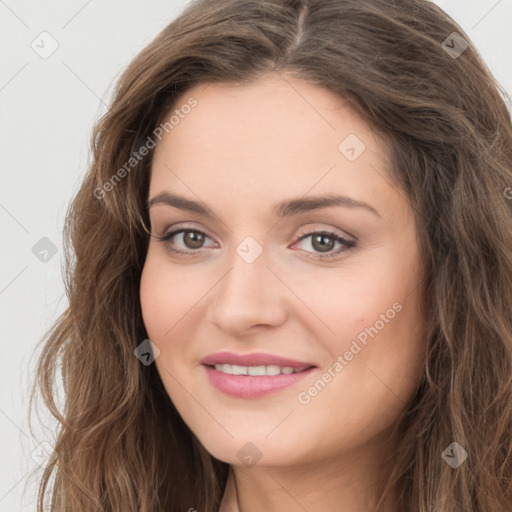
(255, 359)
(248, 386)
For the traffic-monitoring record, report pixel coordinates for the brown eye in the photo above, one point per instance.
(189, 242)
(184, 241)
(322, 242)
(193, 239)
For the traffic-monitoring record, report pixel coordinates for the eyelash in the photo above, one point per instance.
(348, 244)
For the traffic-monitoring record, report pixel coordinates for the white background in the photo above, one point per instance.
(48, 109)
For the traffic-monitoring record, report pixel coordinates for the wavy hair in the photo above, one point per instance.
(121, 444)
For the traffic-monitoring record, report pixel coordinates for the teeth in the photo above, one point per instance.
(270, 369)
(235, 369)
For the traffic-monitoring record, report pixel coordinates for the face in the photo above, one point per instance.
(260, 284)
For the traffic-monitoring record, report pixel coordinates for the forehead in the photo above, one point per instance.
(272, 106)
(276, 136)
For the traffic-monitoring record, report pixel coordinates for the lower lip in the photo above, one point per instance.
(247, 386)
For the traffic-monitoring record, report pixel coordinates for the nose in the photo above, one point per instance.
(248, 296)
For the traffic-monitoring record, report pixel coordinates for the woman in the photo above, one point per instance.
(289, 271)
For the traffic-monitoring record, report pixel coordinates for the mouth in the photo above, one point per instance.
(257, 371)
(253, 375)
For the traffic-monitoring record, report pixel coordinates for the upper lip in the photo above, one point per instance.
(254, 359)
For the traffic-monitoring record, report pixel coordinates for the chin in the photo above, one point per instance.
(250, 449)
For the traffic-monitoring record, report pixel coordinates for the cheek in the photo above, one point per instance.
(163, 304)
(165, 296)
(378, 299)
(364, 392)
(376, 326)
(343, 303)
(154, 302)
(172, 311)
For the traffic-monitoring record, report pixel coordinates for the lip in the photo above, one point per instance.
(254, 359)
(248, 386)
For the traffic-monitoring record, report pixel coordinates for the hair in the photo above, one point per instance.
(121, 444)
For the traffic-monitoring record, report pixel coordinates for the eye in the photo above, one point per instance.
(324, 241)
(192, 240)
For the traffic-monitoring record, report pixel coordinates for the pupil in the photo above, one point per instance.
(323, 247)
(196, 239)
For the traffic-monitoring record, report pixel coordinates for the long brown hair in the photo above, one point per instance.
(121, 445)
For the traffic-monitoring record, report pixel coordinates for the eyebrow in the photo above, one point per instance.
(283, 209)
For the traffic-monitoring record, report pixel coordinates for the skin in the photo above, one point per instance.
(242, 150)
